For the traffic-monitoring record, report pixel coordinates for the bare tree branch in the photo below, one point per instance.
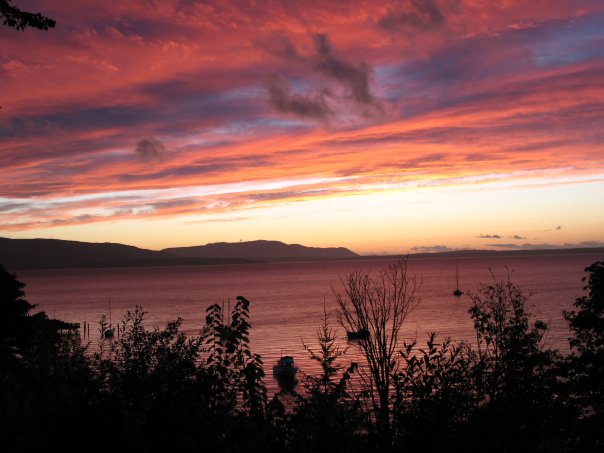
(378, 305)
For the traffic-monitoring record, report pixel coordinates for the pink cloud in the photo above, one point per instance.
(399, 91)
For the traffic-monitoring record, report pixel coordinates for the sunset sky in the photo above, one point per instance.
(382, 127)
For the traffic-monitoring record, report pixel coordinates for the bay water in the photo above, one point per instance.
(287, 300)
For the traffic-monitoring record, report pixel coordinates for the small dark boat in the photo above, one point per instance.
(362, 334)
(285, 367)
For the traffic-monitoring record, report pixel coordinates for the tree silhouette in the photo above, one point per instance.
(516, 376)
(12, 302)
(378, 304)
(587, 325)
(327, 418)
(14, 311)
(14, 17)
(509, 345)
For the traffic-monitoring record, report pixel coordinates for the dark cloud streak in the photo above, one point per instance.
(286, 49)
(150, 149)
(320, 102)
(418, 15)
(284, 101)
(356, 77)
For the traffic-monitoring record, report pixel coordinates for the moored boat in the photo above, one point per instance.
(361, 334)
(285, 367)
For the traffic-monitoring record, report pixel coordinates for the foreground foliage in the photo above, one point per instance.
(516, 377)
(327, 417)
(159, 390)
(586, 363)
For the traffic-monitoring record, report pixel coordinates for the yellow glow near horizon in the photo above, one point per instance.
(379, 222)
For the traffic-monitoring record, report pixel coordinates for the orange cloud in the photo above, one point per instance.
(235, 108)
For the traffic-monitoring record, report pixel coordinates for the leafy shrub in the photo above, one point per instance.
(516, 377)
(434, 394)
(327, 418)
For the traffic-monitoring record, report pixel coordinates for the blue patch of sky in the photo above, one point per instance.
(77, 118)
(247, 103)
(579, 40)
(233, 103)
(262, 124)
(300, 86)
(555, 43)
(197, 143)
(382, 84)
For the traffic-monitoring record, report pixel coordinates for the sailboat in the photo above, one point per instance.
(457, 291)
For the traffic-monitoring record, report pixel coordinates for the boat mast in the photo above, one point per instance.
(457, 291)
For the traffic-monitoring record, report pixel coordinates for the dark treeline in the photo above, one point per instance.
(159, 390)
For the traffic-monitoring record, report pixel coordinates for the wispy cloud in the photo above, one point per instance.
(489, 236)
(432, 249)
(557, 228)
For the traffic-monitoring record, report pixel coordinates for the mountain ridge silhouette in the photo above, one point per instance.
(58, 253)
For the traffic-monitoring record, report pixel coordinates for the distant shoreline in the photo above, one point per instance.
(500, 253)
(458, 254)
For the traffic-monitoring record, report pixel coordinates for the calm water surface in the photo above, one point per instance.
(287, 298)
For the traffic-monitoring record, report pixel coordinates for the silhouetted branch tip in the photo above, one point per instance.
(14, 17)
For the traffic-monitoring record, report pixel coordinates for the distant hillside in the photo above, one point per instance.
(494, 253)
(262, 250)
(54, 253)
(18, 254)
